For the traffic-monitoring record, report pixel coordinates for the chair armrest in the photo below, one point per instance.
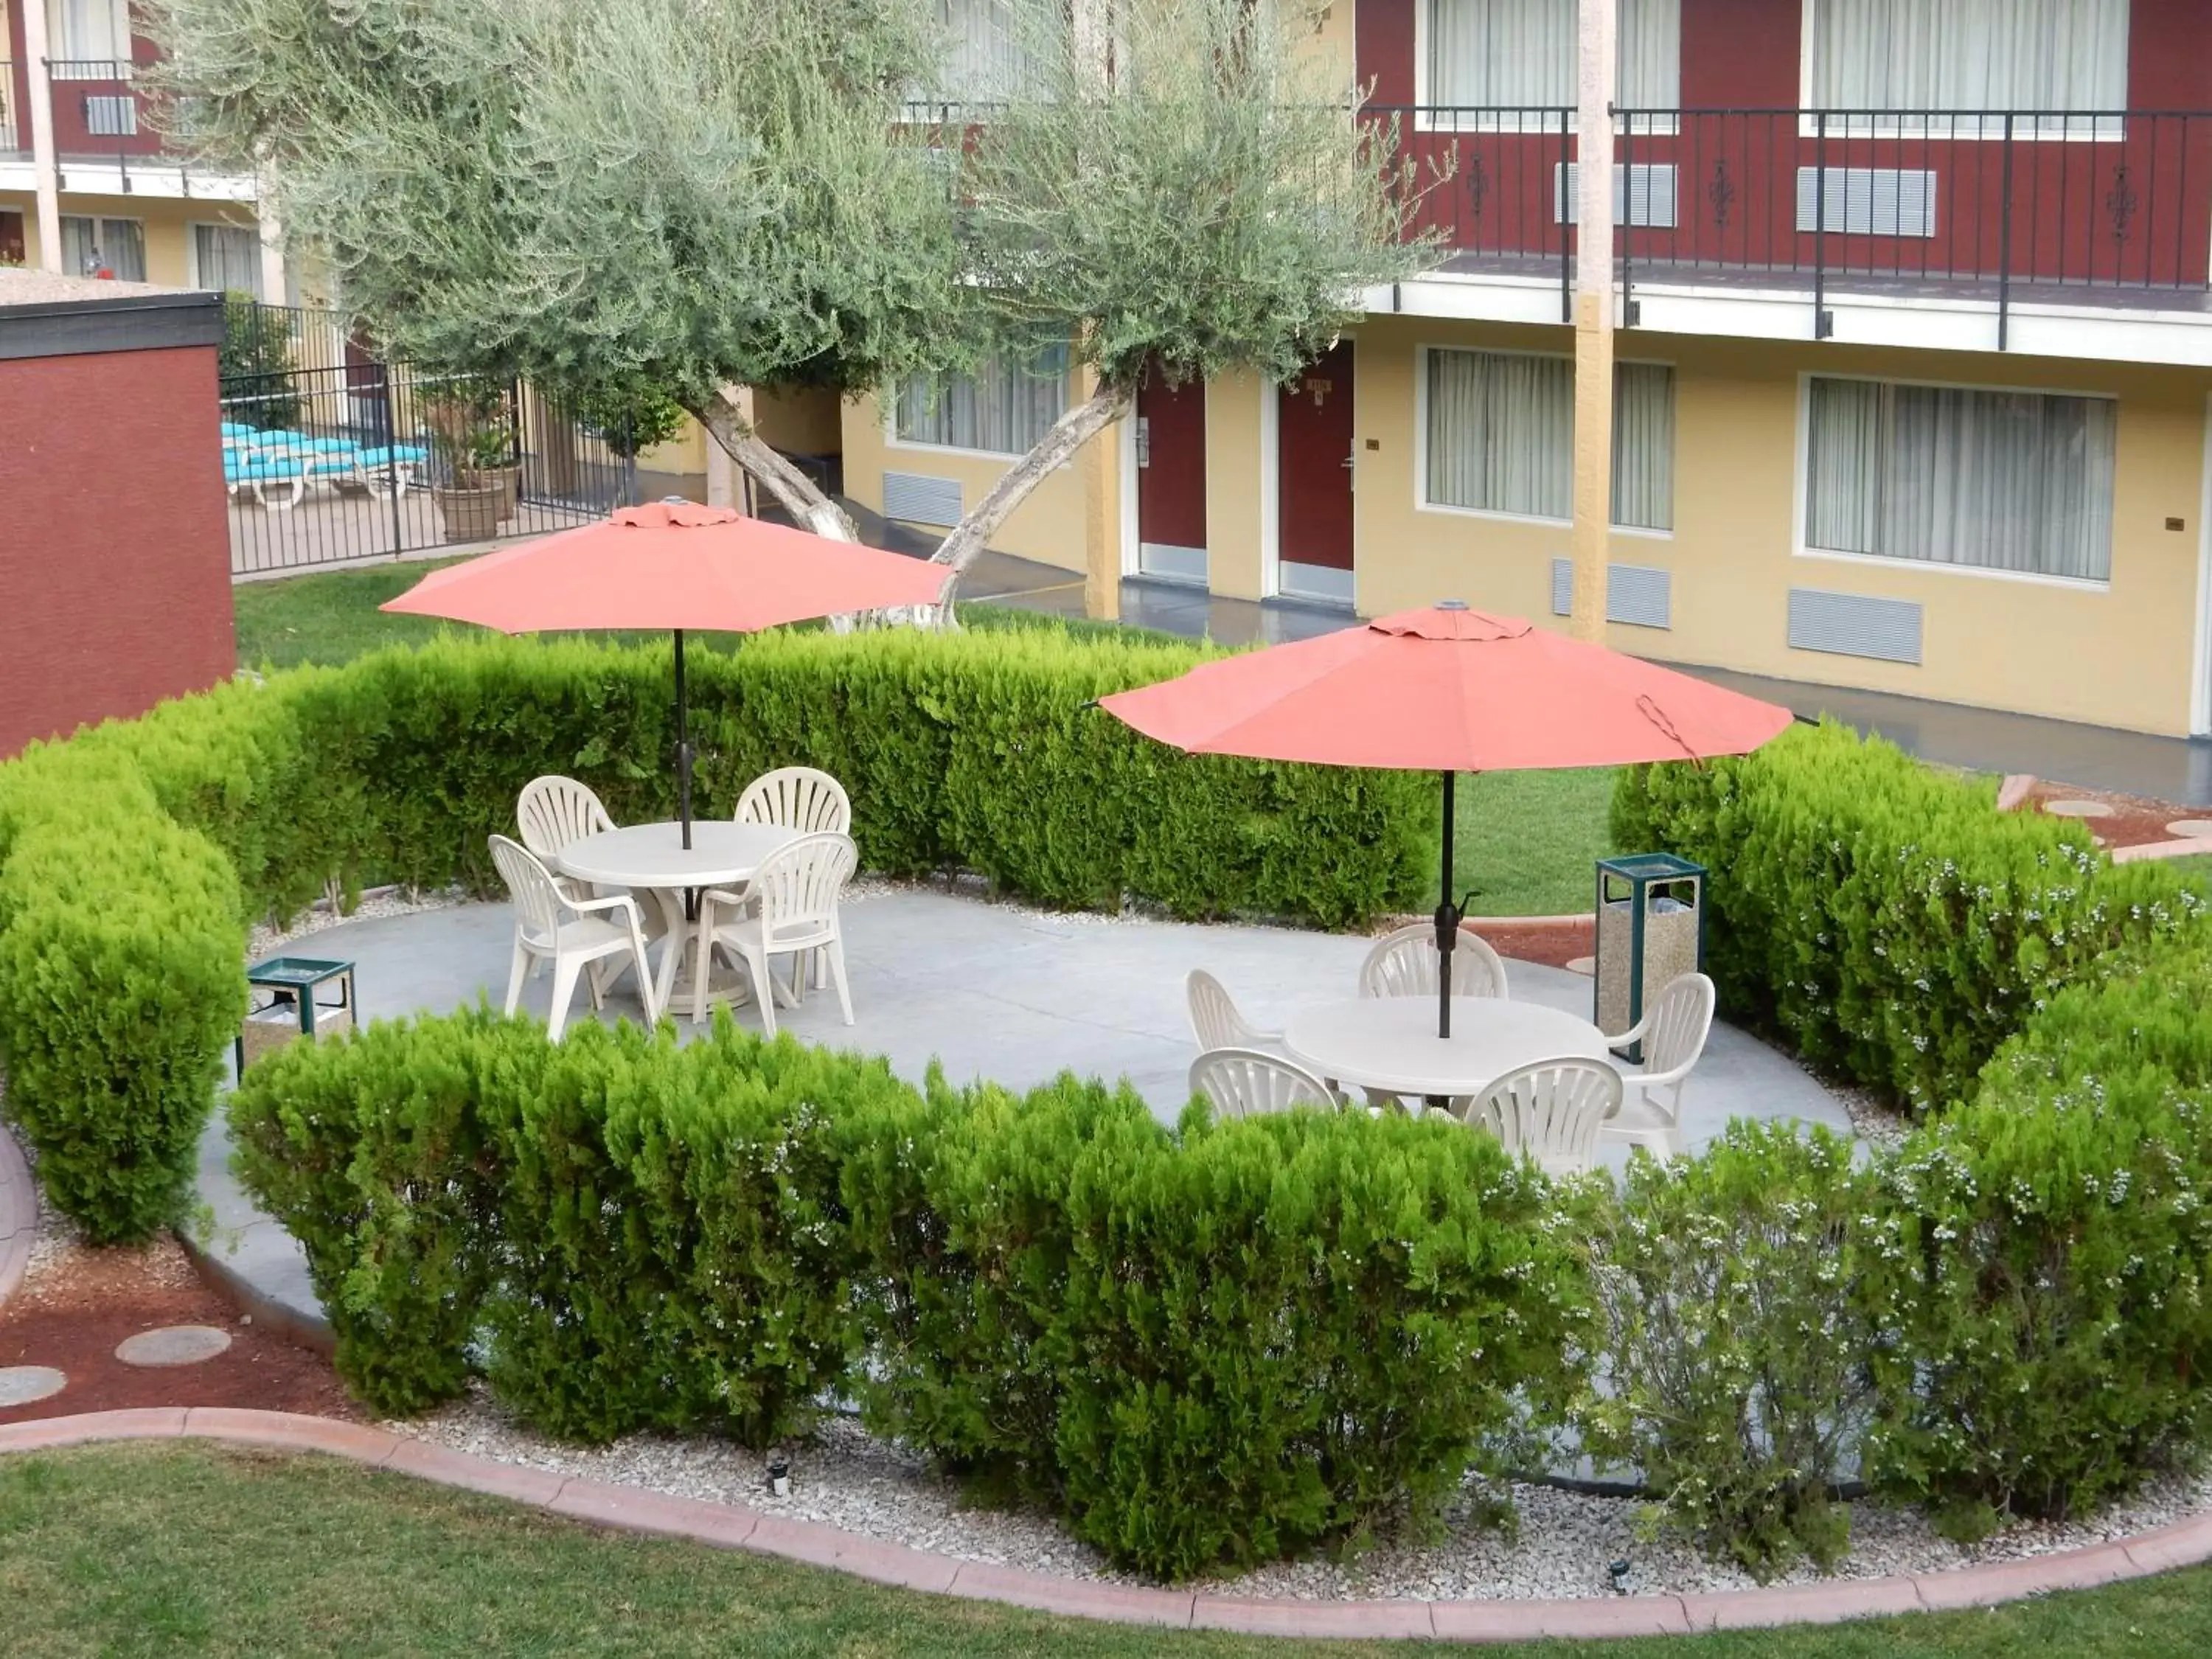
(711, 897)
(612, 902)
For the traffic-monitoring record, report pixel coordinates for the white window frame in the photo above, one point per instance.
(192, 274)
(2072, 129)
(1800, 493)
(915, 445)
(1422, 503)
(145, 250)
(1425, 119)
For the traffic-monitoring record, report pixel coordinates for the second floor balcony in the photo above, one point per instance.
(2014, 216)
(110, 131)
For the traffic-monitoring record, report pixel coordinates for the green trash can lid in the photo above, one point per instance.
(295, 970)
(1651, 866)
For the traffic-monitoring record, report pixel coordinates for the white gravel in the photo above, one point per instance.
(1561, 1546)
(376, 903)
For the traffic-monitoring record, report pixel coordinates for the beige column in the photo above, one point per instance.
(273, 289)
(45, 166)
(1097, 461)
(1594, 318)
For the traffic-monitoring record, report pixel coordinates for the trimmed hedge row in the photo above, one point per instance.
(132, 856)
(1207, 1347)
(1880, 913)
(1228, 1342)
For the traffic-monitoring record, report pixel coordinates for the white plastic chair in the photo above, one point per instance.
(1214, 1019)
(554, 811)
(573, 933)
(1672, 1031)
(797, 797)
(788, 908)
(1247, 1082)
(1404, 964)
(1550, 1111)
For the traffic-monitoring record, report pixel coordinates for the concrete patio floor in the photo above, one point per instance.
(990, 991)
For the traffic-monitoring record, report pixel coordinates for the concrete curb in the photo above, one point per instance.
(265, 1311)
(731, 1526)
(19, 1214)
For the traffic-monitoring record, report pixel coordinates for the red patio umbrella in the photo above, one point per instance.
(1447, 690)
(676, 565)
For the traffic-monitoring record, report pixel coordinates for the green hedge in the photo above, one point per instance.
(1208, 1346)
(1880, 913)
(131, 856)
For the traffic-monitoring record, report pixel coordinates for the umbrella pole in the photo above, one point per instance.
(1447, 921)
(683, 747)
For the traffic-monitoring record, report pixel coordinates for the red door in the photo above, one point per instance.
(1314, 470)
(1171, 479)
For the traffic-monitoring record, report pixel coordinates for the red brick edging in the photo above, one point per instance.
(730, 1526)
(19, 1214)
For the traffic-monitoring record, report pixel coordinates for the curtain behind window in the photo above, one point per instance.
(1003, 407)
(1502, 437)
(228, 257)
(1520, 54)
(87, 37)
(91, 245)
(1643, 446)
(2017, 481)
(992, 47)
(1937, 55)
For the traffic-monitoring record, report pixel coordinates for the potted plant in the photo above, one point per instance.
(469, 429)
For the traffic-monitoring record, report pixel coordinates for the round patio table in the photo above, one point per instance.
(652, 858)
(1389, 1045)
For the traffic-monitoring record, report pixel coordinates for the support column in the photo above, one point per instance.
(45, 166)
(1593, 525)
(1098, 461)
(274, 290)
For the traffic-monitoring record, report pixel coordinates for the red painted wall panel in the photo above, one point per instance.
(115, 553)
(1738, 54)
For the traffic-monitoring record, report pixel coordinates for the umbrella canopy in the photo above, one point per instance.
(672, 565)
(677, 565)
(1447, 690)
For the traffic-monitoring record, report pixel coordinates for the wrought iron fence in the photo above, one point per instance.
(333, 454)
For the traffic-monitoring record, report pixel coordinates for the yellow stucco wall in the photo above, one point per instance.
(169, 258)
(2120, 655)
(1050, 527)
(1233, 484)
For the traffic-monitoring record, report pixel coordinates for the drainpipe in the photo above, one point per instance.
(45, 165)
(1593, 522)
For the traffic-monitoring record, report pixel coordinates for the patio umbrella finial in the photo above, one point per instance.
(1451, 604)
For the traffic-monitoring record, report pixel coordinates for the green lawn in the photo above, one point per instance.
(188, 1550)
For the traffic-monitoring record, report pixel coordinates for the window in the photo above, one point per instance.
(992, 46)
(115, 245)
(2059, 57)
(228, 257)
(1502, 437)
(1516, 58)
(90, 39)
(2018, 481)
(1003, 407)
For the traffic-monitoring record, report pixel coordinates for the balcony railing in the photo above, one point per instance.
(2109, 208)
(10, 139)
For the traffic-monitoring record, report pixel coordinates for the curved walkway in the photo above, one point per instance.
(19, 1214)
(730, 1526)
(986, 990)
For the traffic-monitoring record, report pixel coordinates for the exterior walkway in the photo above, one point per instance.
(990, 991)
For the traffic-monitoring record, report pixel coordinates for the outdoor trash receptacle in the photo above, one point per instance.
(292, 996)
(1650, 931)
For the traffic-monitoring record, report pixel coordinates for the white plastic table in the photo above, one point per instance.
(1391, 1045)
(652, 858)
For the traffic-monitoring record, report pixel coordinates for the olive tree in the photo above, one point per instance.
(704, 194)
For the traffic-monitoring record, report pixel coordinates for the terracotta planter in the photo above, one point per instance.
(508, 480)
(470, 515)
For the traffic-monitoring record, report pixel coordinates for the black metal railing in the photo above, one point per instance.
(12, 139)
(2018, 207)
(334, 453)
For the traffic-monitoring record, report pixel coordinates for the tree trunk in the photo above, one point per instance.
(809, 508)
(1069, 433)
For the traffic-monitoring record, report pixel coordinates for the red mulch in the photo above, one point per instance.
(71, 1313)
(1555, 944)
(2134, 820)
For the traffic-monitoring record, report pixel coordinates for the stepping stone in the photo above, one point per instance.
(172, 1345)
(2190, 828)
(1586, 966)
(20, 1384)
(2077, 809)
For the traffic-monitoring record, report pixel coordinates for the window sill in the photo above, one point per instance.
(1941, 568)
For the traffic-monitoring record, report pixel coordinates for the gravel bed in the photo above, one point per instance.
(1873, 1120)
(1561, 1546)
(376, 903)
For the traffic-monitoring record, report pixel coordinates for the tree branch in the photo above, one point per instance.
(809, 508)
(1069, 433)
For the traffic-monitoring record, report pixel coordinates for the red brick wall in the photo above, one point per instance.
(115, 544)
